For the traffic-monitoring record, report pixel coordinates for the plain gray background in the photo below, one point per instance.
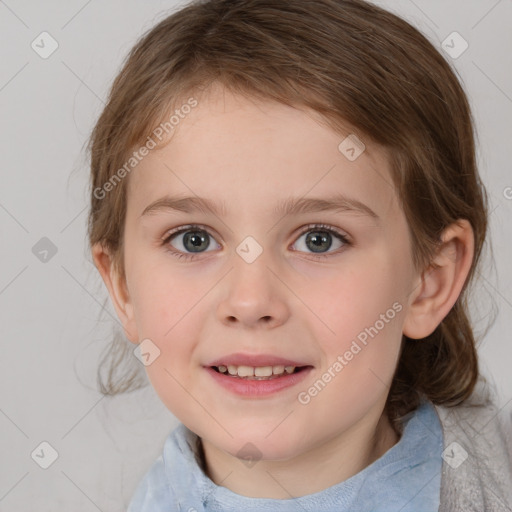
(53, 325)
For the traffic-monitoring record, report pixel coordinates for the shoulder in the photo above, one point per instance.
(477, 456)
(174, 479)
(152, 492)
(155, 493)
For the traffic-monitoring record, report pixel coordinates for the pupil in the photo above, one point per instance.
(319, 241)
(194, 240)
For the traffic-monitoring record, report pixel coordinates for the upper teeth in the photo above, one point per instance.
(258, 371)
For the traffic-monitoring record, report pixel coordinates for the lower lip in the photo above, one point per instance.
(255, 388)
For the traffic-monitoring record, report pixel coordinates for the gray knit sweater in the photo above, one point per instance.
(477, 460)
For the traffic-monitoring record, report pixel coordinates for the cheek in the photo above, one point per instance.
(163, 299)
(366, 312)
(166, 304)
(365, 296)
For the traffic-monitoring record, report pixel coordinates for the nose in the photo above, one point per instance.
(253, 296)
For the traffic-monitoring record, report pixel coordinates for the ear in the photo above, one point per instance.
(117, 289)
(441, 283)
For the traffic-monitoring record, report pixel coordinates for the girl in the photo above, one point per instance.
(287, 214)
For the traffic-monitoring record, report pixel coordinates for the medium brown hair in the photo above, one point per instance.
(352, 62)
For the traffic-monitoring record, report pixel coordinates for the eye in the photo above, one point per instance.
(189, 240)
(320, 238)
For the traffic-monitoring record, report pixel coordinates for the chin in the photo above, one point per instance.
(257, 447)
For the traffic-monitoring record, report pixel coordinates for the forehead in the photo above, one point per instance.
(246, 153)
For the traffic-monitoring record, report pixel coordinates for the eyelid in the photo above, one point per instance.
(187, 227)
(326, 227)
(305, 229)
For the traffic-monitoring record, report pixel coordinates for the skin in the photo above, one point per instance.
(290, 302)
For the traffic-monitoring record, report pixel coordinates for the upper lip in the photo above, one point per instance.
(254, 360)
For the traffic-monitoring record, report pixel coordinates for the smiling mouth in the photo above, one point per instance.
(259, 372)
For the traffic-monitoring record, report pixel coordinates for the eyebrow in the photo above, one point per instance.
(290, 206)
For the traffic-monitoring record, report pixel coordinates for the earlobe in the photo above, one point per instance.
(442, 282)
(117, 289)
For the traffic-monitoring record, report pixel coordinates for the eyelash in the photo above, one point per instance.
(311, 227)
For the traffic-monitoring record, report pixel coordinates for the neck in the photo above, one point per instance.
(323, 466)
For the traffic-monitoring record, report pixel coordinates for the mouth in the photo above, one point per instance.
(253, 376)
(269, 372)
(257, 376)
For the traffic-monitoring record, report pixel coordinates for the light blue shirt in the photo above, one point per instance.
(407, 478)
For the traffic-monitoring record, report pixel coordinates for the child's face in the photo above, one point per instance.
(304, 299)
